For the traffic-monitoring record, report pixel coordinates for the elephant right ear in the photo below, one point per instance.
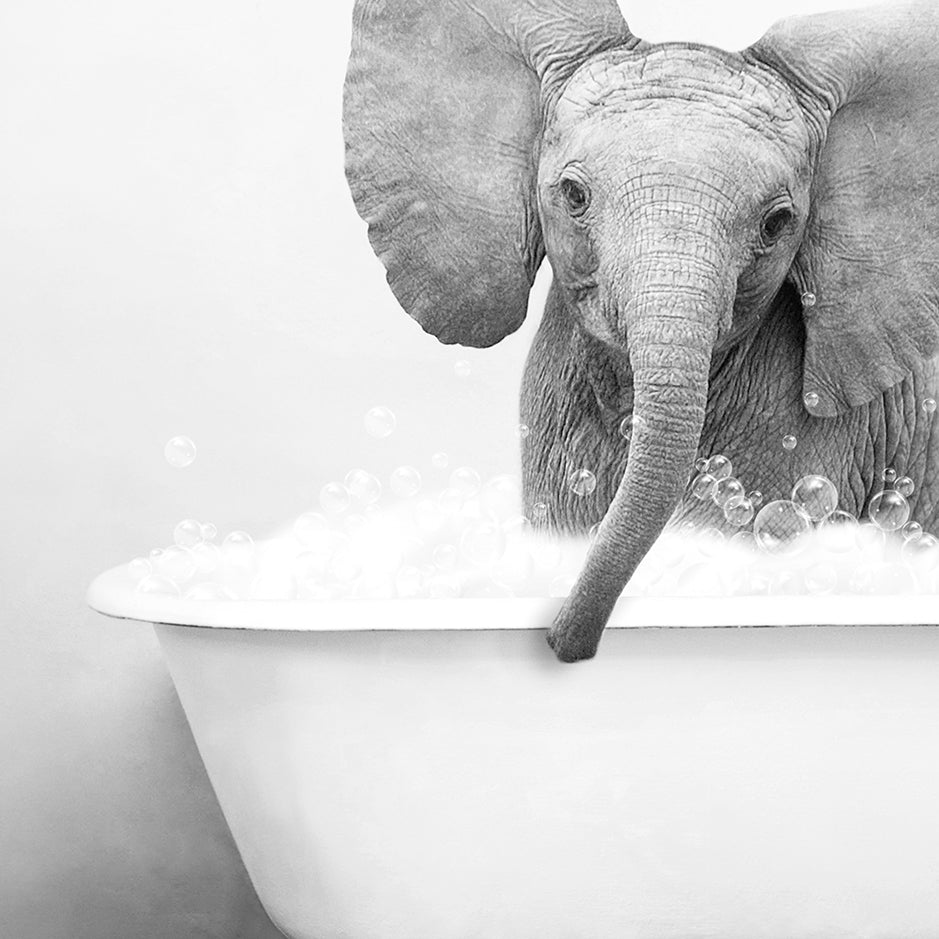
(442, 115)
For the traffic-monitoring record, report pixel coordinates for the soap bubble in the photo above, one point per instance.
(159, 585)
(380, 422)
(789, 442)
(482, 542)
(756, 497)
(700, 464)
(743, 539)
(405, 482)
(629, 425)
(739, 511)
(409, 581)
(929, 406)
(238, 548)
(445, 557)
(139, 568)
(462, 368)
(209, 591)
(889, 475)
(719, 466)
(501, 497)
(308, 526)
(179, 451)
(838, 531)
(808, 299)
(710, 541)
(726, 489)
(869, 538)
(522, 431)
(465, 481)
(820, 579)
(539, 512)
(921, 554)
(334, 498)
(188, 533)
(911, 530)
(439, 460)
(582, 482)
(889, 510)
(811, 399)
(702, 486)
(905, 486)
(363, 485)
(209, 531)
(778, 527)
(816, 496)
(176, 563)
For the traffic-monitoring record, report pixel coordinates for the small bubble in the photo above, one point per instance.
(139, 568)
(465, 481)
(756, 497)
(158, 584)
(889, 510)
(176, 563)
(811, 399)
(778, 527)
(726, 489)
(462, 368)
(702, 486)
(700, 464)
(445, 557)
(929, 406)
(380, 422)
(363, 485)
(719, 466)
(789, 442)
(816, 496)
(405, 482)
(889, 475)
(809, 299)
(911, 531)
(334, 498)
(209, 531)
(522, 431)
(440, 460)
(539, 512)
(209, 591)
(188, 533)
(179, 451)
(739, 511)
(238, 548)
(582, 482)
(629, 425)
(905, 486)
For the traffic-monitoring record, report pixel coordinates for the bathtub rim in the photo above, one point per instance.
(113, 593)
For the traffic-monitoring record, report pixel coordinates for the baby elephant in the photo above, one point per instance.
(745, 245)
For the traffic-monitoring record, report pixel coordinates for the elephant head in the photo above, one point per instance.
(675, 189)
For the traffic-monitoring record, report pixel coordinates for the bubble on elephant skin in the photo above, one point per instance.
(179, 451)
(702, 486)
(238, 548)
(380, 422)
(739, 511)
(837, 532)
(594, 531)
(929, 406)
(582, 482)
(820, 579)
(482, 543)
(465, 480)
(811, 400)
(719, 466)
(710, 541)
(726, 489)
(629, 425)
(889, 510)
(440, 460)
(808, 299)
(177, 563)
(139, 568)
(159, 585)
(539, 513)
(911, 531)
(816, 496)
(789, 442)
(905, 486)
(889, 475)
(209, 531)
(756, 497)
(700, 464)
(743, 539)
(462, 368)
(778, 527)
(334, 498)
(405, 482)
(188, 533)
(209, 590)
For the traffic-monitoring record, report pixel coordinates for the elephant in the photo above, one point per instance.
(744, 246)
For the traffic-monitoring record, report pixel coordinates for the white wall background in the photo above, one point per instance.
(179, 254)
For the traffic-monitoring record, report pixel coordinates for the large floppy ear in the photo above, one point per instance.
(442, 117)
(869, 80)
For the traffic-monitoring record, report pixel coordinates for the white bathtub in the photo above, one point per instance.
(425, 769)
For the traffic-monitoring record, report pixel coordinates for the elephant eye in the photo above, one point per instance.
(575, 195)
(774, 224)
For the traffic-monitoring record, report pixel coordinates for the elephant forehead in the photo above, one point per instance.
(690, 83)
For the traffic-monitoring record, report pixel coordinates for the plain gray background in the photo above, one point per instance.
(179, 255)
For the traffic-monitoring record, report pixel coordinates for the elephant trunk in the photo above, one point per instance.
(672, 320)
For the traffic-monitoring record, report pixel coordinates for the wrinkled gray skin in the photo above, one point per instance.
(686, 199)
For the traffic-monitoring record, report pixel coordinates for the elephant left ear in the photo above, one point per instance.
(869, 83)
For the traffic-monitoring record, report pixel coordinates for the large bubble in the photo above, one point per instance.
(778, 527)
(816, 496)
(889, 510)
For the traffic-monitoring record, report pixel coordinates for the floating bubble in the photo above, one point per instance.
(719, 466)
(209, 531)
(462, 368)
(905, 486)
(816, 496)
(921, 554)
(889, 510)
(501, 496)
(702, 486)
(179, 451)
(756, 497)
(363, 485)
(405, 482)
(482, 543)
(811, 399)
(911, 531)
(176, 563)
(929, 406)
(778, 527)
(308, 526)
(440, 460)
(334, 498)
(739, 511)
(188, 533)
(380, 422)
(582, 482)
(789, 442)
(159, 585)
(809, 299)
(139, 568)
(465, 480)
(629, 425)
(522, 431)
(726, 489)
(207, 556)
(700, 464)
(445, 557)
(210, 591)
(409, 581)
(889, 475)
(838, 531)
(820, 579)
(238, 548)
